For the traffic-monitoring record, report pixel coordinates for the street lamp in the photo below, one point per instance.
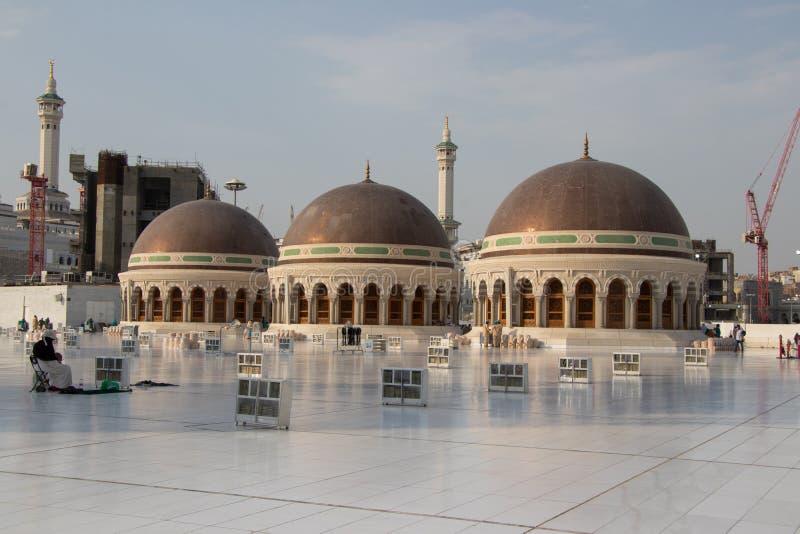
(235, 185)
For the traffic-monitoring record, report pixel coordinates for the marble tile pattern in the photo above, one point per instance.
(678, 449)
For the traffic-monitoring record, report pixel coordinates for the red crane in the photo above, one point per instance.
(36, 208)
(757, 226)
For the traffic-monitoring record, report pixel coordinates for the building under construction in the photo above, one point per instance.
(119, 200)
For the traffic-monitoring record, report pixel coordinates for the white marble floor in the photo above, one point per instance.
(676, 450)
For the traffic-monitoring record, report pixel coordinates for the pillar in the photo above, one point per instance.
(631, 311)
(658, 304)
(148, 307)
(383, 308)
(249, 303)
(358, 308)
(569, 305)
(444, 310)
(541, 312)
(509, 307)
(600, 311)
(407, 303)
(427, 310)
(209, 305)
(229, 301)
(333, 302)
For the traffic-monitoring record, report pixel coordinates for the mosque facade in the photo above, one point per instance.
(587, 244)
(202, 261)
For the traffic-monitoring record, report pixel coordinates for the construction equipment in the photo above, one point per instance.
(757, 226)
(36, 207)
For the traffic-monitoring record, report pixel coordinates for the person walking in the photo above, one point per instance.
(739, 339)
(487, 337)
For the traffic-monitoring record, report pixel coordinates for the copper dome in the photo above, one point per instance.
(208, 226)
(367, 212)
(587, 194)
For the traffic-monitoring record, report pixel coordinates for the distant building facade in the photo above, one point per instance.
(720, 303)
(120, 200)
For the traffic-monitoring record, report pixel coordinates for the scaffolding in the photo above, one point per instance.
(36, 257)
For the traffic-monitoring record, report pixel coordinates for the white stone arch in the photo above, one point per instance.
(608, 279)
(570, 290)
(545, 279)
(654, 285)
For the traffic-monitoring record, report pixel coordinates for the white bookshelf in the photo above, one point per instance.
(71, 339)
(127, 343)
(435, 341)
(375, 343)
(394, 343)
(626, 363)
(263, 402)
(145, 340)
(115, 368)
(17, 336)
(508, 377)
(249, 364)
(211, 344)
(575, 369)
(407, 387)
(317, 339)
(27, 347)
(285, 344)
(268, 339)
(439, 356)
(695, 356)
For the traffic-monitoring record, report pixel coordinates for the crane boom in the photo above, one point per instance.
(756, 233)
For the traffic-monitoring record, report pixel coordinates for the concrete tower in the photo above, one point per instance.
(446, 157)
(51, 110)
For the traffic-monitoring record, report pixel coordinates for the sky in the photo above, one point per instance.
(293, 97)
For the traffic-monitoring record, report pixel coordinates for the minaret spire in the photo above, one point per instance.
(446, 157)
(366, 177)
(51, 111)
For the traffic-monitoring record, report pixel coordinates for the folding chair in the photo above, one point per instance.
(41, 382)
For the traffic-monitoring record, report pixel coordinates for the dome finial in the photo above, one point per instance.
(366, 177)
(208, 190)
(52, 62)
(446, 121)
(586, 147)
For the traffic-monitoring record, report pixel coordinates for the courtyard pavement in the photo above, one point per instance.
(678, 449)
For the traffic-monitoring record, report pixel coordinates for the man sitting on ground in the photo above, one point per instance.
(59, 374)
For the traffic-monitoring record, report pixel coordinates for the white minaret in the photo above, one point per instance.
(446, 157)
(51, 110)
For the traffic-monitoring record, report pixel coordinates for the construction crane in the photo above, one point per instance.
(757, 226)
(36, 208)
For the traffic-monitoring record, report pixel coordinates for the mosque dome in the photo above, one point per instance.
(211, 232)
(588, 206)
(366, 221)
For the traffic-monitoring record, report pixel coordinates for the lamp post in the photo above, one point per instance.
(235, 185)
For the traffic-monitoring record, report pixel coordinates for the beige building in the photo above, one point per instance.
(202, 261)
(587, 244)
(366, 253)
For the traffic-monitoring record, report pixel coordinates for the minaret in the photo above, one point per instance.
(446, 157)
(50, 113)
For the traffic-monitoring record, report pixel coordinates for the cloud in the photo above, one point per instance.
(405, 65)
(13, 20)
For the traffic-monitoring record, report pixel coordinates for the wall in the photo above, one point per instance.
(762, 335)
(65, 304)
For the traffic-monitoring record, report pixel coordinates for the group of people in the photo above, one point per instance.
(785, 351)
(492, 334)
(351, 336)
(40, 325)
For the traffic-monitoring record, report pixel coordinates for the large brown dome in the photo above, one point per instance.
(367, 212)
(209, 227)
(587, 195)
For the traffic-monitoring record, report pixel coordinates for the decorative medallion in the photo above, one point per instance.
(586, 238)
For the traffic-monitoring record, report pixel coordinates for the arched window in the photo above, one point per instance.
(240, 306)
(176, 305)
(396, 305)
(323, 307)
(198, 305)
(555, 304)
(371, 303)
(158, 305)
(219, 304)
(615, 304)
(258, 306)
(302, 304)
(527, 303)
(418, 307)
(584, 311)
(346, 303)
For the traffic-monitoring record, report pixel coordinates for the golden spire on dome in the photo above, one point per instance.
(208, 190)
(366, 178)
(52, 62)
(586, 148)
(446, 122)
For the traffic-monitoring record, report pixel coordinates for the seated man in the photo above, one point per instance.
(60, 375)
